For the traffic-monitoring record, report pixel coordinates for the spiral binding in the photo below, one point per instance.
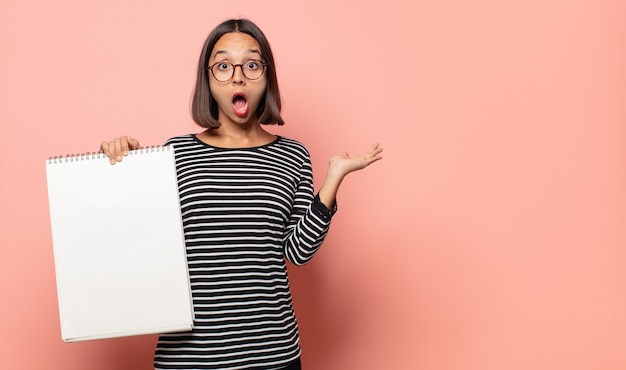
(98, 155)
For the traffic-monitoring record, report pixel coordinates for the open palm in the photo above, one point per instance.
(344, 163)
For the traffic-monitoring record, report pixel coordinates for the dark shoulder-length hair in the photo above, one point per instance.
(204, 106)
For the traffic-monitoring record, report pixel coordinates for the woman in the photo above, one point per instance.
(247, 204)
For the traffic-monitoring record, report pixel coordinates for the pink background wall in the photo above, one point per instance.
(492, 235)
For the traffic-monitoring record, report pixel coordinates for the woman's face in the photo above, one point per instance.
(238, 98)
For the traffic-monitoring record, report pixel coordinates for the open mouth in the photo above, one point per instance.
(240, 104)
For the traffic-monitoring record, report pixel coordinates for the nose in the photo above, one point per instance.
(238, 77)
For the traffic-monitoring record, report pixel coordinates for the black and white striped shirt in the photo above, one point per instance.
(244, 211)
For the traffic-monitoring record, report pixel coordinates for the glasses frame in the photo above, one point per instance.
(240, 65)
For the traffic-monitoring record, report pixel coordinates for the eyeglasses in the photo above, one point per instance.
(224, 71)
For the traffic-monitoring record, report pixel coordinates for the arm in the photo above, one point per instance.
(310, 220)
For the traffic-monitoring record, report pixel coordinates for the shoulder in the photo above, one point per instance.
(180, 140)
(293, 146)
(288, 152)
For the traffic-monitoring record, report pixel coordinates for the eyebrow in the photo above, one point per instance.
(253, 51)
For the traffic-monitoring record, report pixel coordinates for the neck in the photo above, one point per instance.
(236, 136)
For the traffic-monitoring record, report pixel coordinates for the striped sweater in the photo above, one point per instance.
(244, 212)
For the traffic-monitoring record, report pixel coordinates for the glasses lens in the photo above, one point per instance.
(222, 71)
(253, 69)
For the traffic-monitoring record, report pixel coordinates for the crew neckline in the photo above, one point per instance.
(195, 137)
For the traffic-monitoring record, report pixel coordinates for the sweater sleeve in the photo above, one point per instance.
(309, 221)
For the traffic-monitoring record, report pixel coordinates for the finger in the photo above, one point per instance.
(133, 143)
(124, 145)
(118, 149)
(375, 154)
(104, 147)
(111, 152)
(107, 147)
(375, 148)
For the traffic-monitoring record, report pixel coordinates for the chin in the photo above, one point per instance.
(244, 121)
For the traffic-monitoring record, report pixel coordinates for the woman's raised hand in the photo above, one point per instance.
(344, 163)
(118, 148)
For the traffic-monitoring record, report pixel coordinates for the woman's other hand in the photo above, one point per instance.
(118, 148)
